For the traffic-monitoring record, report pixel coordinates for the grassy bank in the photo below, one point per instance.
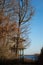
(22, 61)
(17, 62)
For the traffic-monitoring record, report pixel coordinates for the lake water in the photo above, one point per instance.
(33, 57)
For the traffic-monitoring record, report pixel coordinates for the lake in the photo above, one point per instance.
(33, 57)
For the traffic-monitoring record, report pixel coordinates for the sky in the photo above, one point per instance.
(36, 34)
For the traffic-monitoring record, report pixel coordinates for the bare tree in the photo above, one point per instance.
(7, 28)
(24, 13)
(19, 11)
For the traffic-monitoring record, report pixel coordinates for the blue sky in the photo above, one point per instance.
(36, 34)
